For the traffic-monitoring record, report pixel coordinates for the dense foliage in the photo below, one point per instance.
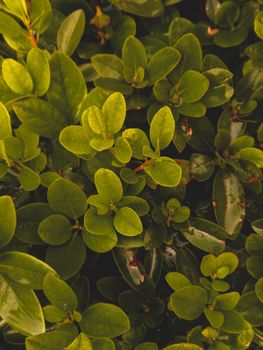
(131, 198)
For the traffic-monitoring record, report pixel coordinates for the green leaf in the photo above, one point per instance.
(110, 287)
(191, 55)
(258, 25)
(54, 314)
(197, 109)
(5, 122)
(257, 226)
(220, 286)
(40, 117)
(134, 57)
(139, 205)
(255, 266)
(211, 8)
(103, 344)
(114, 113)
(108, 66)
(24, 269)
(201, 167)
(165, 172)
(59, 293)
(254, 155)
(162, 63)
(70, 32)
(100, 203)
(227, 301)
(251, 308)
(215, 318)
(98, 224)
(67, 198)
(148, 8)
(242, 142)
(183, 346)
(260, 133)
(54, 340)
(147, 346)
(233, 322)
(222, 140)
(28, 219)
(82, 342)
(67, 259)
(181, 214)
(177, 280)
(68, 86)
(55, 229)
(254, 244)
(220, 89)
(9, 26)
(28, 179)
(17, 7)
(259, 289)
(100, 144)
(229, 260)
(189, 302)
(108, 185)
(127, 222)
(125, 27)
(208, 265)
(162, 128)
(227, 14)
(40, 15)
(178, 27)
(229, 38)
(7, 219)
(20, 308)
(122, 150)
(137, 140)
(76, 139)
(228, 199)
(205, 235)
(104, 320)
(96, 121)
(17, 77)
(188, 83)
(38, 66)
(99, 243)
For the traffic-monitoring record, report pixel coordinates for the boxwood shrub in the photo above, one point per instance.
(131, 200)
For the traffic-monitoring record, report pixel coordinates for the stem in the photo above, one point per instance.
(32, 37)
(28, 25)
(143, 165)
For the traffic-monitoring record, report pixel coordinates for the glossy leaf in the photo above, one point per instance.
(8, 220)
(59, 293)
(38, 66)
(70, 32)
(20, 308)
(229, 206)
(104, 320)
(17, 77)
(68, 86)
(162, 63)
(67, 198)
(127, 222)
(67, 259)
(162, 128)
(24, 269)
(108, 185)
(165, 172)
(188, 302)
